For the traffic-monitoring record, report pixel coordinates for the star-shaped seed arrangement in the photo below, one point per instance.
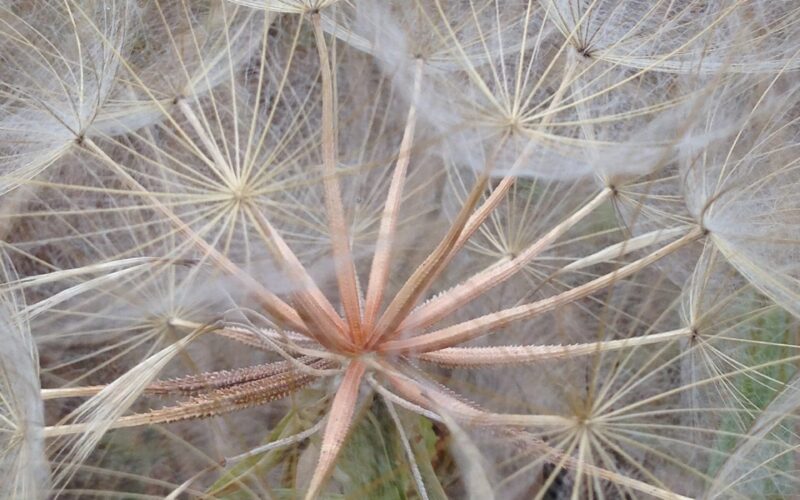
(376, 340)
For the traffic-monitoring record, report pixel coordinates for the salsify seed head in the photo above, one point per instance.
(428, 249)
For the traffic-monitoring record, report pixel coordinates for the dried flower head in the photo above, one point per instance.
(528, 249)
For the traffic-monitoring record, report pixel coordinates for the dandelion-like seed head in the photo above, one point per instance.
(512, 249)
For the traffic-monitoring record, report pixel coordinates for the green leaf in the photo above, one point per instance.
(229, 486)
(757, 391)
(372, 462)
